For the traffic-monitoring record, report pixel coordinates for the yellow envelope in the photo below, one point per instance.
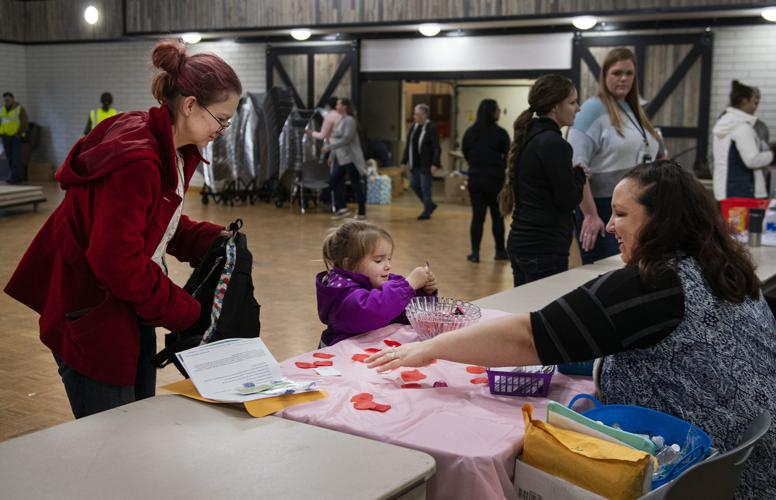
(609, 469)
(257, 407)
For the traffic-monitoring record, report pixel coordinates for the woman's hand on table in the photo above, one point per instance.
(413, 355)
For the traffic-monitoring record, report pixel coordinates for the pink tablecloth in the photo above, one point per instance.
(473, 436)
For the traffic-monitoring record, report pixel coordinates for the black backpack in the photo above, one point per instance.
(238, 314)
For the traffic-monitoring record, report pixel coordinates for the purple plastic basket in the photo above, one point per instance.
(519, 383)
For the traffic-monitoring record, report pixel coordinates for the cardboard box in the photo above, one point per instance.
(535, 484)
(397, 182)
(456, 189)
(40, 172)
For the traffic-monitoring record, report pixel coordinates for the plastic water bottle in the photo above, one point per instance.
(769, 225)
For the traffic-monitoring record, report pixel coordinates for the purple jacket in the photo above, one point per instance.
(349, 305)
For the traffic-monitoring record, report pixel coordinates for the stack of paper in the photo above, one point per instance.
(236, 371)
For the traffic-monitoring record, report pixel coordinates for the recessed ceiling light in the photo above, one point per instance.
(91, 15)
(429, 29)
(191, 37)
(584, 22)
(769, 14)
(301, 34)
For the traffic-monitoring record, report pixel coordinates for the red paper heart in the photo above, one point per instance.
(324, 363)
(475, 369)
(362, 396)
(360, 357)
(304, 365)
(391, 343)
(479, 380)
(412, 375)
(364, 405)
(323, 355)
(372, 350)
(411, 386)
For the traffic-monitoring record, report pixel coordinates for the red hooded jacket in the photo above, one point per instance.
(88, 272)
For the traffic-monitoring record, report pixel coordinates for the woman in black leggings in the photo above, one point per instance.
(485, 146)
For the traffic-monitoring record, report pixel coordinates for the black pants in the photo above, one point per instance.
(88, 396)
(484, 195)
(530, 268)
(337, 182)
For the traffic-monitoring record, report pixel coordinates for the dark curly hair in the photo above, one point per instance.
(685, 220)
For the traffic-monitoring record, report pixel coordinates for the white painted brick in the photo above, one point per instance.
(13, 76)
(64, 81)
(745, 53)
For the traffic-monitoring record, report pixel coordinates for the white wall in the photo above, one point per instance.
(468, 53)
(13, 75)
(64, 81)
(748, 54)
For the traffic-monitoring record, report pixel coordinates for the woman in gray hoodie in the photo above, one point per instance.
(348, 160)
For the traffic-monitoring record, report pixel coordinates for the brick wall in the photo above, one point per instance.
(13, 75)
(748, 54)
(65, 81)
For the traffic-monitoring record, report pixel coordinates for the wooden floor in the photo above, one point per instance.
(286, 247)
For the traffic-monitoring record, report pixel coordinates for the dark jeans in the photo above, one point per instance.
(88, 396)
(528, 268)
(421, 184)
(13, 152)
(337, 183)
(605, 246)
(484, 195)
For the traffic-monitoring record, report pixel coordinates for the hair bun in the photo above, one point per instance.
(169, 55)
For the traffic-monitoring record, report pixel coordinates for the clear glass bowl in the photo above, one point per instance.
(430, 316)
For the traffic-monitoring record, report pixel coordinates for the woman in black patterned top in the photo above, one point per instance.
(683, 327)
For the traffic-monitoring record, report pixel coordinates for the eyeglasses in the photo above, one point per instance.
(223, 123)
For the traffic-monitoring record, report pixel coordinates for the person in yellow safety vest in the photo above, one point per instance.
(99, 114)
(13, 126)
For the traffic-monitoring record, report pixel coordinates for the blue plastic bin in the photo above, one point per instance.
(639, 420)
(577, 368)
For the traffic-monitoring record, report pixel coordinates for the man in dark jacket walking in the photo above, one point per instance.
(421, 156)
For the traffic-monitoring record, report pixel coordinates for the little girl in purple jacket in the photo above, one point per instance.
(357, 293)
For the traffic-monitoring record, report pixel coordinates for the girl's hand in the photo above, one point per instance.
(418, 278)
(431, 284)
(413, 355)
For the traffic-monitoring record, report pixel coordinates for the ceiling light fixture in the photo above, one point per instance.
(769, 14)
(91, 15)
(191, 38)
(429, 29)
(584, 22)
(301, 34)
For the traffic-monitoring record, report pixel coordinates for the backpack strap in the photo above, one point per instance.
(223, 284)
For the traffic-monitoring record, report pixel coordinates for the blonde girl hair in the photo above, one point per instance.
(610, 102)
(346, 245)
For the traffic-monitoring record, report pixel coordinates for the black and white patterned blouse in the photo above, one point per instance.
(677, 349)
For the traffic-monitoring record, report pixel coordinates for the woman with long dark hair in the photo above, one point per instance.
(542, 188)
(683, 327)
(349, 160)
(485, 146)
